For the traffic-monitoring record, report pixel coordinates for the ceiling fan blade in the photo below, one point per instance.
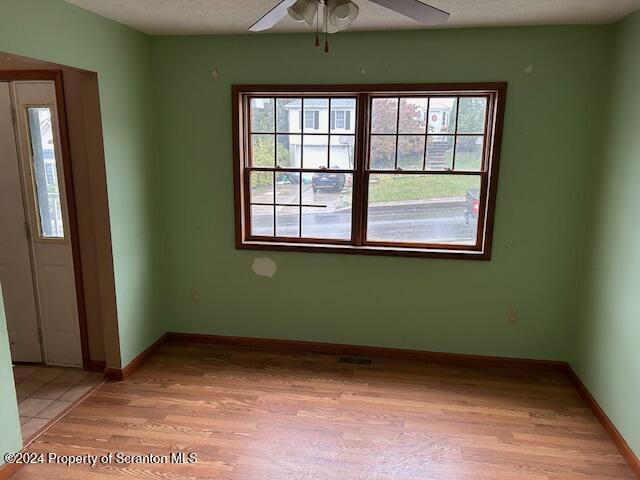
(417, 10)
(273, 16)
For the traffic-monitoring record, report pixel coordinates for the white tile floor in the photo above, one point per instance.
(45, 392)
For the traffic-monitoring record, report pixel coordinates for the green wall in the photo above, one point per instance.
(607, 355)
(168, 145)
(553, 127)
(56, 31)
(10, 440)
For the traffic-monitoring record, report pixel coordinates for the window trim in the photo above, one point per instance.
(496, 94)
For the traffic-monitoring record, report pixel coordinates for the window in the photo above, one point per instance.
(44, 172)
(400, 170)
(311, 119)
(50, 176)
(341, 119)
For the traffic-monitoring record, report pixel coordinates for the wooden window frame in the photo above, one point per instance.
(496, 99)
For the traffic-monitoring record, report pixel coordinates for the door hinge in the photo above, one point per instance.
(27, 231)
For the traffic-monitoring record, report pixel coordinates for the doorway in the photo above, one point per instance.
(56, 262)
(38, 272)
(36, 255)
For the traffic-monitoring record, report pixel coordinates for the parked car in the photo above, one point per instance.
(328, 181)
(287, 177)
(472, 205)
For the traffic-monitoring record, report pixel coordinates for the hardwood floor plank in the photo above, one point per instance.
(269, 415)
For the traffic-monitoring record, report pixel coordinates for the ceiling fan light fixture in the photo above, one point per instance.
(342, 13)
(338, 15)
(304, 11)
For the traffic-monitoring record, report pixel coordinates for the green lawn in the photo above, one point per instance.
(468, 161)
(394, 188)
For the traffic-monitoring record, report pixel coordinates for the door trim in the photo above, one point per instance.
(56, 77)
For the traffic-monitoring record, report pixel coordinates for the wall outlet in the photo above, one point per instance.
(512, 316)
(195, 296)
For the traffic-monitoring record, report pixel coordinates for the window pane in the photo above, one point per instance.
(423, 208)
(442, 115)
(384, 115)
(262, 220)
(288, 115)
(331, 195)
(289, 151)
(45, 172)
(288, 188)
(341, 153)
(315, 151)
(311, 196)
(383, 152)
(472, 115)
(411, 152)
(262, 119)
(262, 151)
(413, 115)
(316, 115)
(261, 187)
(469, 153)
(287, 221)
(343, 115)
(440, 152)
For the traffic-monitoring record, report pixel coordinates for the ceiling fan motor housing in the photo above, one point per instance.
(340, 14)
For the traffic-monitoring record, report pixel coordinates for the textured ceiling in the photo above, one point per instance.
(235, 16)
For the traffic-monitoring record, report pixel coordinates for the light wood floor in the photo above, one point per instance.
(260, 415)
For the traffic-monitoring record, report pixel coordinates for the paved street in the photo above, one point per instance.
(330, 217)
(438, 222)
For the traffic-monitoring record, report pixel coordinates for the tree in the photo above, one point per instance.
(471, 119)
(262, 115)
(262, 153)
(471, 115)
(412, 120)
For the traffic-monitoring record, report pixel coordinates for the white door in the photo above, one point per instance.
(46, 207)
(15, 263)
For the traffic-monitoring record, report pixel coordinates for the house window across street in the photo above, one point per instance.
(311, 119)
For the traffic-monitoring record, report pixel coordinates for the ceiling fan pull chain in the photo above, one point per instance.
(318, 26)
(326, 28)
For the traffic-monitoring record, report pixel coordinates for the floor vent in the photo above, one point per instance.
(361, 361)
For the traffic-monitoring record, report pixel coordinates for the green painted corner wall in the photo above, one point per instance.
(607, 342)
(553, 127)
(55, 31)
(11, 439)
(570, 159)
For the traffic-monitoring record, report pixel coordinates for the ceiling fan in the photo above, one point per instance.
(337, 15)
